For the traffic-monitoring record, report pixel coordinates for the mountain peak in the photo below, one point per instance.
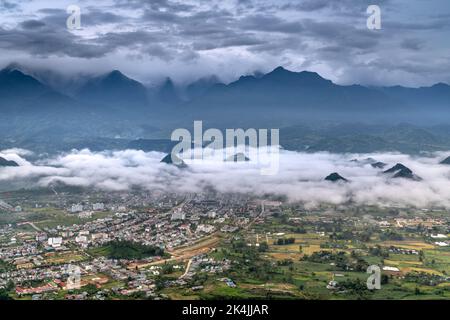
(7, 163)
(12, 71)
(398, 167)
(238, 157)
(335, 177)
(167, 92)
(279, 69)
(282, 70)
(115, 74)
(11, 77)
(172, 159)
(281, 74)
(14, 66)
(401, 171)
(446, 161)
(168, 82)
(440, 85)
(113, 89)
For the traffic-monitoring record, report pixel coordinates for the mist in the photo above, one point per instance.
(300, 177)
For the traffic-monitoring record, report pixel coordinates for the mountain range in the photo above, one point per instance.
(113, 106)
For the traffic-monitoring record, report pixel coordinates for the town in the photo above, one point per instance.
(66, 243)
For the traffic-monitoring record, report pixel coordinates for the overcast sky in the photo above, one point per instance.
(188, 39)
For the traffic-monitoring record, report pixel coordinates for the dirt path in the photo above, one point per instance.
(31, 224)
(186, 252)
(187, 269)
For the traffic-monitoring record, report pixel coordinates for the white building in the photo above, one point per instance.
(98, 207)
(55, 242)
(439, 236)
(206, 228)
(99, 236)
(81, 239)
(5, 206)
(392, 269)
(76, 208)
(212, 214)
(85, 215)
(41, 237)
(178, 216)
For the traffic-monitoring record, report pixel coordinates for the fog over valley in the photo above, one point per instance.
(421, 181)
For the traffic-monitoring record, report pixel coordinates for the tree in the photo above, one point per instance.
(421, 256)
(167, 269)
(263, 247)
(384, 279)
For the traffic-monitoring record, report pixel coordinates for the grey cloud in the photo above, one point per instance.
(341, 34)
(31, 24)
(331, 35)
(346, 8)
(225, 40)
(98, 17)
(269, 23)
(8, 5)
(308, 5)
(412, 44)
(48, 43)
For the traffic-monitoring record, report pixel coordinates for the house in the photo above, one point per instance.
(55, 242)
(98, 207)
(85, 215)
(391, 269)
(178, 216)
(76, 208)
(332, 285)
(41, 237)
(81, 239)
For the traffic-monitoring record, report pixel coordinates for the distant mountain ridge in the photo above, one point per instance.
(279, 87)
(115, 106)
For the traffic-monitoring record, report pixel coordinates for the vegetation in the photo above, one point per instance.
(281, 242)
(5, 266)
(130, 250)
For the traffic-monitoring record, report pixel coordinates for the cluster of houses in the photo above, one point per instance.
(168, 223)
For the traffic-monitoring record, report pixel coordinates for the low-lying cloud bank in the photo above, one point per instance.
(300, 176)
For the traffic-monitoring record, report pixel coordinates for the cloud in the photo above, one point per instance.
(412, 44)
(300, 177)
(196, 38)
(8, 5)
(31, 24)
